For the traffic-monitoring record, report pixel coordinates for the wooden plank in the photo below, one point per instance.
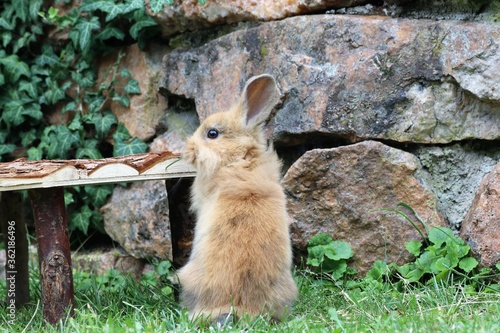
(21, 174)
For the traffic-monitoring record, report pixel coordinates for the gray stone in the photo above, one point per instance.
(454, 174)
(355, 77)
(137, 219)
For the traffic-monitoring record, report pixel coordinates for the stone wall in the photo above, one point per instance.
(381, 102)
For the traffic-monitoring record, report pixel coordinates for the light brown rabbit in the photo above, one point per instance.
(241, 258)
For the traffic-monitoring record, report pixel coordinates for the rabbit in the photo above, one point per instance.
(241, 258)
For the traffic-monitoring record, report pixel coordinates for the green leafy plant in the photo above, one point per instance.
(41, 77)
(440, 257)
(328, 255)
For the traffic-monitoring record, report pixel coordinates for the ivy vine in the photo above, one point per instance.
(39, 75)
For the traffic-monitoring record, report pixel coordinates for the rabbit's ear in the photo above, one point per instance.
(258, 99)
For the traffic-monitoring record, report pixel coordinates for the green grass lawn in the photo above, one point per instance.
(115, 303)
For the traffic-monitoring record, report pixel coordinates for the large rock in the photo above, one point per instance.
(190, 15)
(481, 227)
(340, 191)
(355, 77)
(137, 218)
(454, 172)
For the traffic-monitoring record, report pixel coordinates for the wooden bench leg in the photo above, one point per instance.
(14, 233)
(182, 222)
(51, 225)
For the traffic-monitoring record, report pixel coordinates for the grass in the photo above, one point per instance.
(115, 303)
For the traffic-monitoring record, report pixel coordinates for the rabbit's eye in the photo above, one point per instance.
(212, 133)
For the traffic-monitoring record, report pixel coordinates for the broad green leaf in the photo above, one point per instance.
(440, 235)
(414, 247)
(498, 265)
(320, 239)
(163, 267)
(443, 264)
(95, 103)
(335, 268)
(132, 87)
(14, 68)
(135, 146)
(342, 250)
(468, 264)
(378, 270)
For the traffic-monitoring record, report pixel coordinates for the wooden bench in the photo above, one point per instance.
(45, 181)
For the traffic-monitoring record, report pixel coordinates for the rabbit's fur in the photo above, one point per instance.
(241, 256)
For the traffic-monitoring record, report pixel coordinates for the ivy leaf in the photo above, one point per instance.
(34, 8)
(125, 73)
(131, 5)
(89, 150)
(132, 87)
(21, 8)
(6, 148)
(123, 100)
(84, 29)
(103, 123)
(121, 133)
(135, 146)
(99, 194)
(35, 153)
(144, 22)
(6, 24)
(111, 8)
(15, 111)
(110, 32)
(47, 57)
(6, 36)
(81, 220)
(54, 93)
(30, 87)
(468, 264)
(28, 137)
(59, 140)
(157, 5)
(14, 68)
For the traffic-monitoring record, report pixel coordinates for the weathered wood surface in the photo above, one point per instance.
(22, 174)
